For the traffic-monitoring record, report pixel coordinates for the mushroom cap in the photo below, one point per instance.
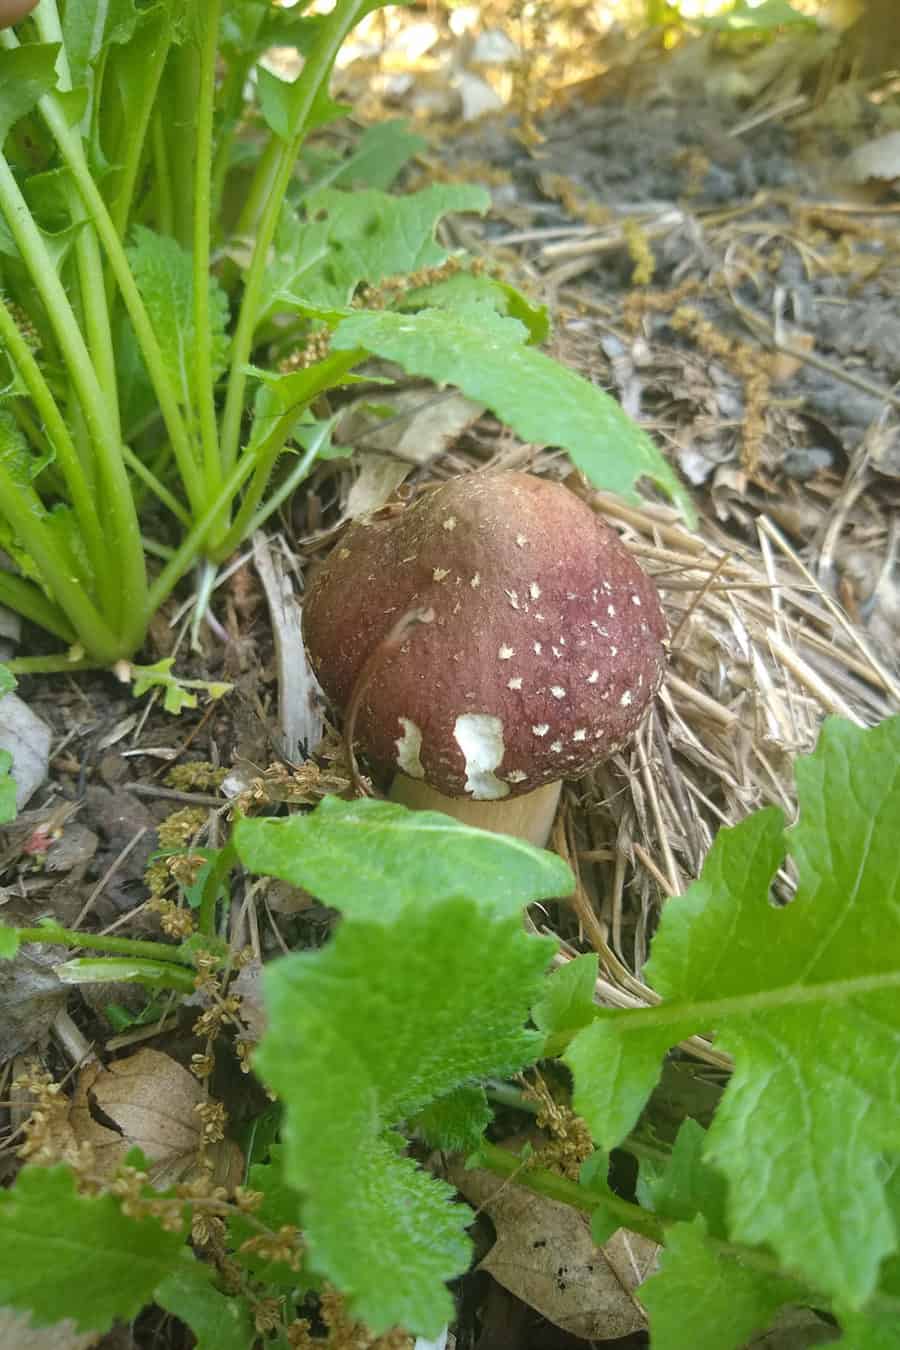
(545, 649)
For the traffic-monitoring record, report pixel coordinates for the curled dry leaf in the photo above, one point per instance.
(149, 1101)
(30, 995)
(27, 738)
(545, 1255)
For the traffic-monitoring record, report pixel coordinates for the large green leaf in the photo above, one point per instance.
(806, 998)
(371, 859)
(26, 74)
(219, 1321)
(350, 1060)
(544, 402)
(163, 272)
(354, 237)
(68, 1255)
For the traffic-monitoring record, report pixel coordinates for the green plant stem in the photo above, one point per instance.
(159, 490)
(32, 603)
(72, 151)
(315, 72)
(59, 664)
(66, 454)
(135, 137)
(206, 409)
(96, 942)
(165, 207)
(191, 546)
(215, 880)
(506, 1164)
(22, 508)
(328, 373)
(117, 970)
(180, 125)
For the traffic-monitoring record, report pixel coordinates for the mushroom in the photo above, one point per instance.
(541, 647)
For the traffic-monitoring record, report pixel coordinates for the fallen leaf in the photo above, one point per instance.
(149, 1098)
(545, 1255)
(30, 997)
(879, 158)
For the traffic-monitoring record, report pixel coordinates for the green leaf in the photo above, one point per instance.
(7, 789)
(456, 1122)
(277, 102)
(163, 272)
(219, 1321)
(26, 74)
(9, 942)
(89, 28)
(379, 1229)
(280, 1207)
(761, 18)
(352, 237)
(383, 150)
(805, 998)
(686, 1185)
(567, 1002)
(544, 402)
(470, 288)
(67, 1255)
(705, 1298)
(371, 859)
(8, 681)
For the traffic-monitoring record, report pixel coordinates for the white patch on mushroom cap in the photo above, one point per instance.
(515, 682)
(480, 738)
(408, 747)
(506, 653)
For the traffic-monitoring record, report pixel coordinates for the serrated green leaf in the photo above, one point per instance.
(685, 1185)
(705, 1298)
(544, 402)
(761, 18)
(379, 1229)
(371, 859)
(805, 998)
(67, 1255)
(164, 276)
(469, 288)
(567, 1000)
(26, 74)
(354, 237)
(7, 791)
(456, 1122)
(9, 942)
(383, 150)
(219, 1321)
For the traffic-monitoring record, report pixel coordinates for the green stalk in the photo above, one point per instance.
(24, 510)
(328, 373)
(135, 139)
(159, 490)
(190, 547)
(96, 942)
(67, 456)
(72, 151)
(316, 70)
(506, 1164)
(180, 123)
(59, 663)
(119, 970)
(165, 214)
(31, 602)
(216, 878)
(125, 544)
(205, 393)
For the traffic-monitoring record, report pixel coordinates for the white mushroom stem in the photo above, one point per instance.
(528, 817)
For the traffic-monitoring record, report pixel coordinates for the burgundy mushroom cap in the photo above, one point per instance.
(545, 649)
